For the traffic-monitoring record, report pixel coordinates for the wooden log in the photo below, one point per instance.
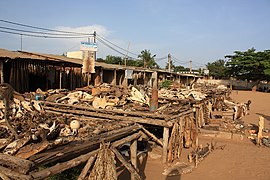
(51, 156)
(175, 117)
(133, 156)
(89, 109)
(165, 144)
(176, 142)
(152, 136)
(13, 174)
(114, 117)
(129, 167)
(21, 165)
(60, 167)
(4, 177)
(126, 139)
(86, 168)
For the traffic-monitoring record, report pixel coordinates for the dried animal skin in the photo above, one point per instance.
(13, 147)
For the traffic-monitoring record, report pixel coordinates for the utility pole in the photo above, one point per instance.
(169, 61)
(21, 42)
(190, 66)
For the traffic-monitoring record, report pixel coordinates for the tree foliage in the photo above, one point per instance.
(147, 59)
(217, 69)
(172, 66)
(180, 69)
(250, 65)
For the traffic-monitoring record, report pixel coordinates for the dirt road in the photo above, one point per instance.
(240, 159)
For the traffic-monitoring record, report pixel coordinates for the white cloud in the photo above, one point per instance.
(101, 30)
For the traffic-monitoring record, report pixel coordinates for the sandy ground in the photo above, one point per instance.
(241, 159)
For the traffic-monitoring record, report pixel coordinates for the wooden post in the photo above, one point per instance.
(135, 79)
(1, 72)
(60, 79)
(114, 77)
(133, 156)
(165, 144)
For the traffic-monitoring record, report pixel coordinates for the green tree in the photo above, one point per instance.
(180, 69)
(217, 69)
(147, 59)
(172, 66)
(250, 65)
(114, 60)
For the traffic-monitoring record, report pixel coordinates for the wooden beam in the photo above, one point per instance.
(51, 155)
(107, 111)
(152, 136)
(14, 175)
(114, 117)
(165, 144)
(129, 167)
(126, 139)
(22, 166)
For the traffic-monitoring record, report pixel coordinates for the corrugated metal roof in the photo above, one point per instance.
(57, 58)
(37, 56)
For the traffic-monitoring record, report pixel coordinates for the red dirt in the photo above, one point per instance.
(240, 159)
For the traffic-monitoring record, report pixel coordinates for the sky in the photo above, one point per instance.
(200, 31)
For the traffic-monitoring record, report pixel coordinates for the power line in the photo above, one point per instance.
(39, 32)
(42, 36)
(41, 28)
(116, 45)
(106, 44)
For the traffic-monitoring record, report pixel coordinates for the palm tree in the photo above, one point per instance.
(148, 59)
